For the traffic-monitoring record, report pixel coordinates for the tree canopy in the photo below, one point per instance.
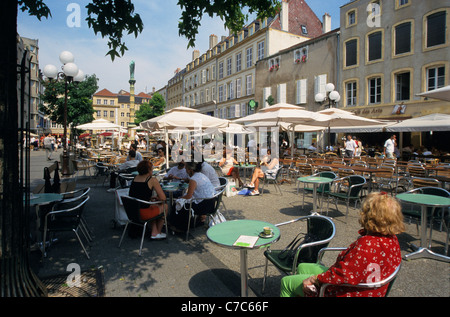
(154, 108)
(79, 100)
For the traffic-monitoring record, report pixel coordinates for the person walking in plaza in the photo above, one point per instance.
(359, 147)
(375, 255)
(389, 146)
(350, 147)
(48, 146)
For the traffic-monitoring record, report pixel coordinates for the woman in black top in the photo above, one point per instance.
(142, 188)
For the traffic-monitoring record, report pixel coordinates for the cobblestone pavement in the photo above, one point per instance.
(198, 268)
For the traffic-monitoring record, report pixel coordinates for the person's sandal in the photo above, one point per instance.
(254, 193)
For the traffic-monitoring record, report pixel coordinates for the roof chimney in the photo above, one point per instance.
(212, 41)
(195, 54)
(326, 25)
(284, 16)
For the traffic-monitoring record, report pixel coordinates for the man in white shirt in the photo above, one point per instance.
(350, 147)
(178, 172)
(389, 146)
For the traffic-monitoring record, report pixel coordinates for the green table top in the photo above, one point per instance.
(226, 233)
(245, 165)
(424, 199)
(173, 186)
(45, 198)
(315, 179)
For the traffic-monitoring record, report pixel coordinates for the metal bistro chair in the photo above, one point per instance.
(132, 207)
(73, 197)
(222, 187)
(372, 285)
(102, 171)
(274, 179)
(216, 199)
(320, 231)
(355, 185)
(61, 220)
(413, 213)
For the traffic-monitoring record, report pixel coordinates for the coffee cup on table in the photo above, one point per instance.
(267, 231)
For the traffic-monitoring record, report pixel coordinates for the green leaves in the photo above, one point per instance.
(230, 11)
(150, 110)
(35, 7)
(111, 18)
(79, 101)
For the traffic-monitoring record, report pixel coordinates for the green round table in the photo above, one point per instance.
(226, 233)
(245, 167)
(316, 181)
(424, 200)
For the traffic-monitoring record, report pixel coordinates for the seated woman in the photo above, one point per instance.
(374, 255)
(269, 167)
(226, 164)
(199, 187)
(143, 187)
(160, 160)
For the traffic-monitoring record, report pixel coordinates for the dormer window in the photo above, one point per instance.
(304, 29)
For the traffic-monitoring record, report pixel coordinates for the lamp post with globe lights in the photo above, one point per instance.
(70, 72)
(333, 97)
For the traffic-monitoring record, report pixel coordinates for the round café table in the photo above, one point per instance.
(316, 181)
(40, 200)
(424, 200)
(245, 167)
(226, 233)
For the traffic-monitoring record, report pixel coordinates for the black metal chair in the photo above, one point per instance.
(272, 179)
(373, 285)
(73, 197)
(320, 231)
(132, 207)
(102, 171)
(63, 220)
(216, 199)
(352, 192)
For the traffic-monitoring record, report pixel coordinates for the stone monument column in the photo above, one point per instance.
(132, 81)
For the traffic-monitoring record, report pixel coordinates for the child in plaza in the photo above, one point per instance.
(374, 255)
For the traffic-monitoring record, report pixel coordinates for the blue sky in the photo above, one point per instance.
(158, 51)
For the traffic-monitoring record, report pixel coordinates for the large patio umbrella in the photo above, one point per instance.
(342, 118)
(185, 118)
(98, 124)
(431, 122)
(288, 115)
(442, 93)
(284, 113)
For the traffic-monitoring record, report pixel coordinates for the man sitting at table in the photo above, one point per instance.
(138, 155)
(132, 163)
(269, 167)
(178, 172)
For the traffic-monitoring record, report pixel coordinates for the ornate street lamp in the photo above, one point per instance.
(70, 72)
(333, 97)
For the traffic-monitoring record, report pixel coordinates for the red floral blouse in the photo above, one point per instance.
(368, 259)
